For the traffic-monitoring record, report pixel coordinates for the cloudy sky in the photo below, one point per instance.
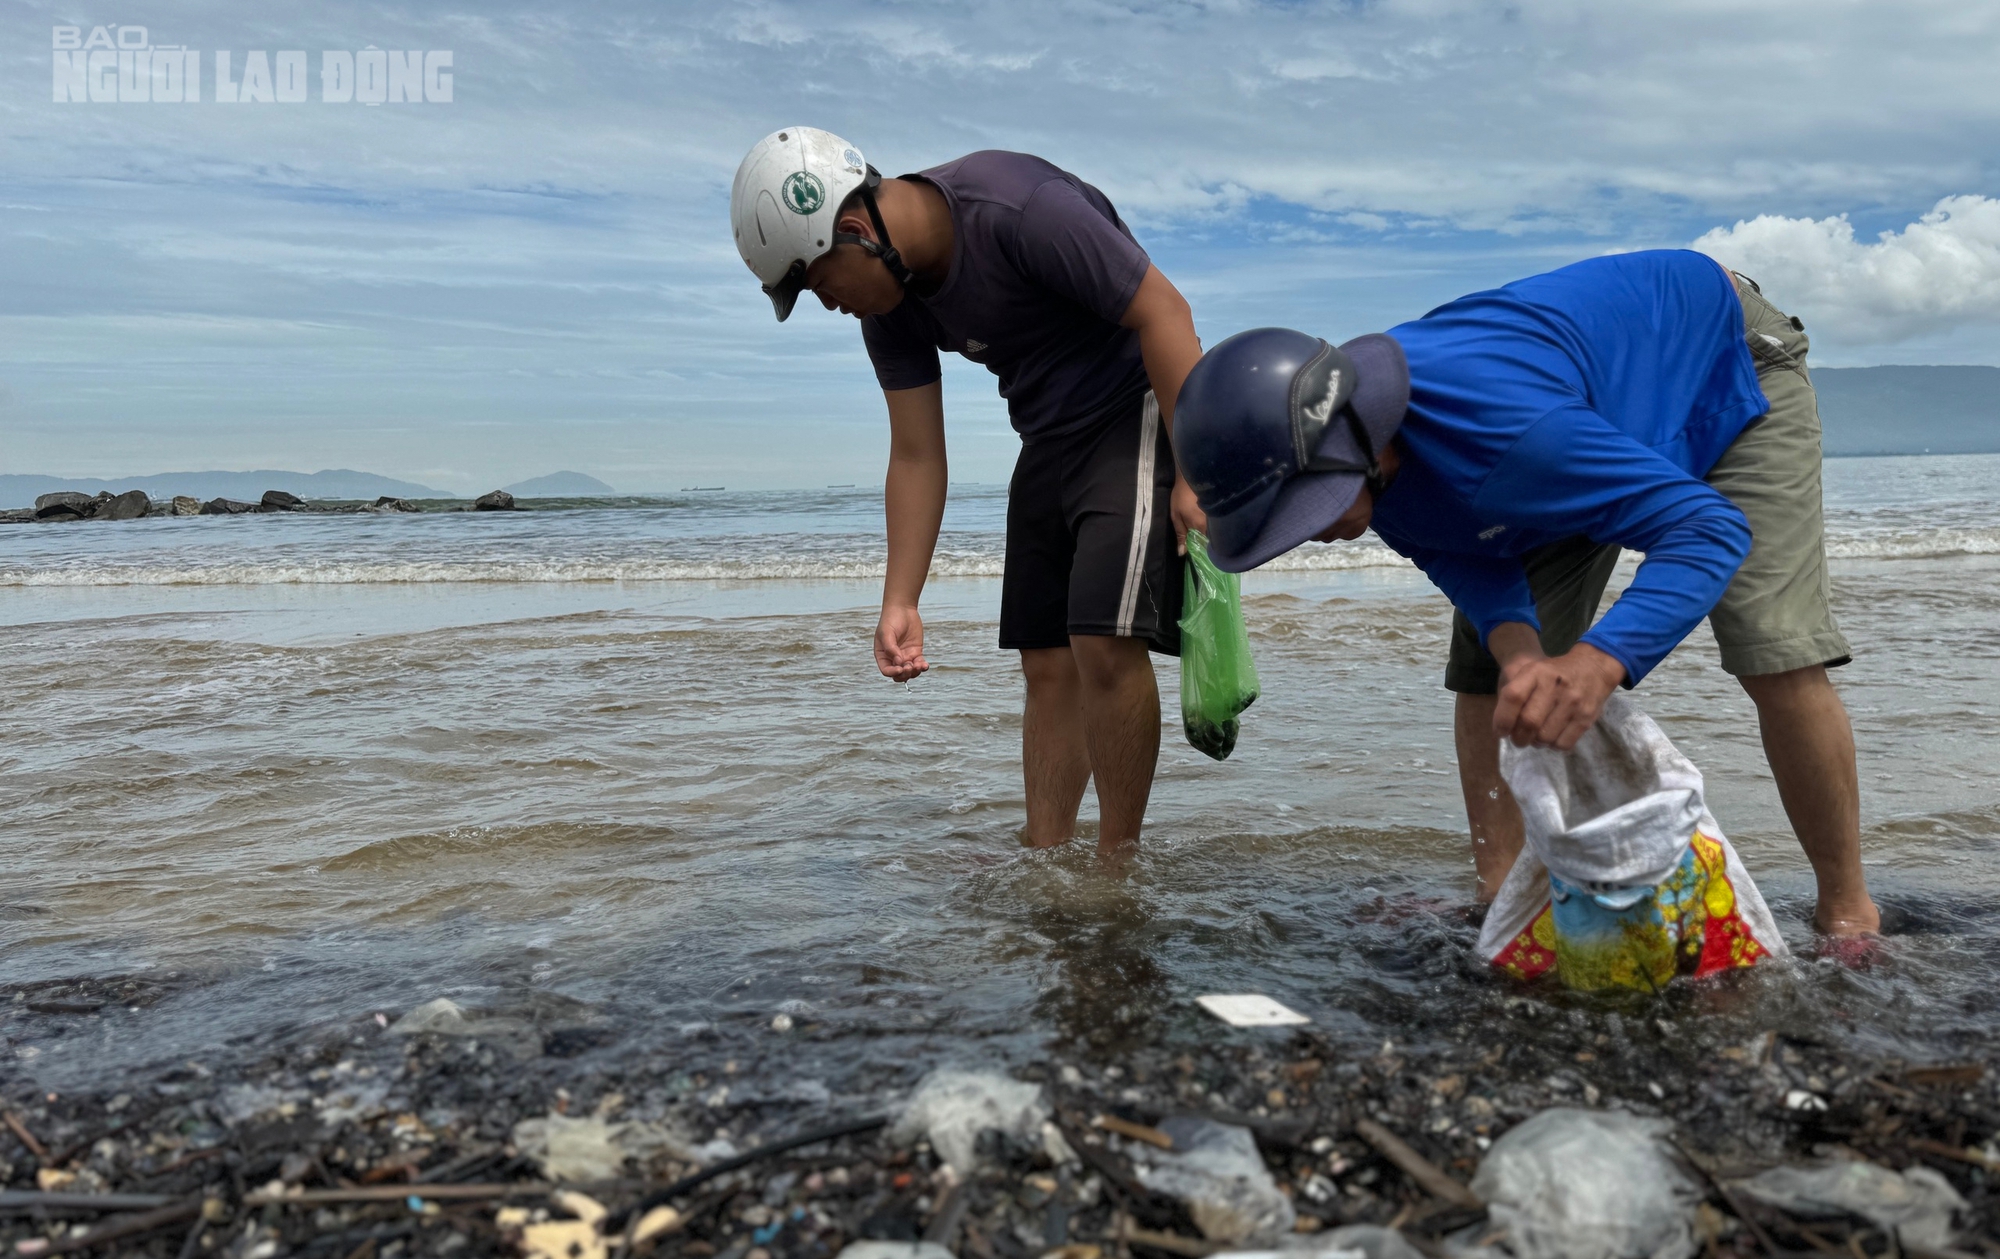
(539, 274)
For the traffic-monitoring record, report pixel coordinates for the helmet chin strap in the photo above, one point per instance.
(879, 248)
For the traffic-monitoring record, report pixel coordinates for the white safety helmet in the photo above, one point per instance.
(787, 194)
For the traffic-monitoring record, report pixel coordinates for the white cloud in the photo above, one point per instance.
(551, 250)
(1939, 272)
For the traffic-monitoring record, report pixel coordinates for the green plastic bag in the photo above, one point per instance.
(1218, 678)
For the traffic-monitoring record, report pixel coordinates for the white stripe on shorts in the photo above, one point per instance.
(1142, 517)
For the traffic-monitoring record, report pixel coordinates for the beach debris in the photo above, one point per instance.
(894, 1250)
(1353, 1241)
(1915, 1205)
(572, 1149)
(657, 1222)
(1136, 1131)
(1249, 1009)
(1214, 1169)
(564, 1239)
(444, 1017)
(1589, 1184)
(27, 1136)
(952, 1108)
(116, 1228)
(1429, 1176)
(406, 1142)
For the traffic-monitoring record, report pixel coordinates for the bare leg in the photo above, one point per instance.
(1055, 761)
(1810, 745)
(1489, 807)
(1121, 722)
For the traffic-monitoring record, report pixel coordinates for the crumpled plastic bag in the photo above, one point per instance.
(1588, 1184)
(1216, 1171)
(951, 1108)
(1626, 880)
(1218, 677)
(1916, 1204)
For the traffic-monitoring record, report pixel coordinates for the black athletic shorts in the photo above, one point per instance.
(1090, 538)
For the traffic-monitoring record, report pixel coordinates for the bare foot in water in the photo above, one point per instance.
(1850, 935)
(1854, 917)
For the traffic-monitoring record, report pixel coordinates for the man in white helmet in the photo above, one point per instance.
(1024, 268)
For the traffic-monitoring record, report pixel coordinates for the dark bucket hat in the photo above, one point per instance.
(1277, 431)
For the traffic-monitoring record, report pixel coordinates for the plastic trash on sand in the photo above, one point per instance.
(1352, 1241)
(1218, 678)
(1626, 880)
(1249, 1009)
(1916, 1205)
(1588, 1184)
(1214, 1168)
(953, 1108)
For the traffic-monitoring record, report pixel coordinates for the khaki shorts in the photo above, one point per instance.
(1777, 613)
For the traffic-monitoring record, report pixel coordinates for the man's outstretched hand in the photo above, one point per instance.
(1187, 513)
(1549, 701)
(899, 644)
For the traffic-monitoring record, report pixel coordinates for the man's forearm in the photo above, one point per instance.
(1513, 638)
(913, 499)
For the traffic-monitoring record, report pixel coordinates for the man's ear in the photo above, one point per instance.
(853, 220)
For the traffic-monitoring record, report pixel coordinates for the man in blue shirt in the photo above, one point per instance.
(1510, 444)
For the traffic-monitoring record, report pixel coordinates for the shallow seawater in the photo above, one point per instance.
(692, 804)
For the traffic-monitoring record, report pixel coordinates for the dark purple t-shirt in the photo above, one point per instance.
(1041, 272)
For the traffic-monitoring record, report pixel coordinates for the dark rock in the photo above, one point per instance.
(498, 500)
(131, 505)
(389, 502)
(226, 507)
(281, 500)
(64, 505)
(186, 506)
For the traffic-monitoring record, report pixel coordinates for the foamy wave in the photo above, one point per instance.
(974, 562)
(514, 571)
(1336, 557)
(1913, 545)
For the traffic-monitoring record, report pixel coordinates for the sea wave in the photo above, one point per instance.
(367, 573)
(1912, 544)
(818, 562)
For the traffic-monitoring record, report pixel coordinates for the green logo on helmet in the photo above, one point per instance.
(803, 192)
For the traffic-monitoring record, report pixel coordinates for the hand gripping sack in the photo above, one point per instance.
(1626, 880)
(1218, 678)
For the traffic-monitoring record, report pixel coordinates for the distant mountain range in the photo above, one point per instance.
(21, 490)
(559, 485)
(1909, 410)
(1863, 411)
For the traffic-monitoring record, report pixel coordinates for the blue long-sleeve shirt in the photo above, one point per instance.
(1590, 400)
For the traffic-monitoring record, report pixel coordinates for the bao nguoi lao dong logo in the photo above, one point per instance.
(122, 64)
(803, 191)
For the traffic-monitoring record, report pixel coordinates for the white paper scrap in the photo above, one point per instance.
(1249, 1009)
